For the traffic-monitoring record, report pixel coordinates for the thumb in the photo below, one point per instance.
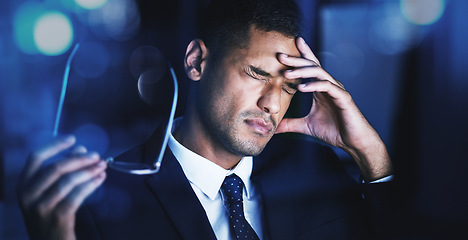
(295, 125)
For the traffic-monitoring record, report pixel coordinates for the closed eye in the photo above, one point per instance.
(289, 90)
(250, 71)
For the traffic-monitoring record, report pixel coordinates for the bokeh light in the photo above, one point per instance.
(393, 35)
(390, 33)
(23, 24)
(422, 12)
(146, 58)
(91, 4)
(148, 64)
(53, 33)
(117, 20)
(151, 90)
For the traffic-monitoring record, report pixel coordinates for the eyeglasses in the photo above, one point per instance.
(143, 168)
(126, 167)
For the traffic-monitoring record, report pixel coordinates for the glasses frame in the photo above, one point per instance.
(136, 168)
(63, 92)
(126, 167)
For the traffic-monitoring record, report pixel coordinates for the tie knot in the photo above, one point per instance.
(232, 188)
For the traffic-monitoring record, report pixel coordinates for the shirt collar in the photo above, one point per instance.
(205, 174)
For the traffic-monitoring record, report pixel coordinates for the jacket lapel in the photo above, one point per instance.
(176, 195)
(278, 219)
(173, 190)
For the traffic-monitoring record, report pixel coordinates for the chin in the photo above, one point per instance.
(248, 147)
(248, 150)
(244, 142)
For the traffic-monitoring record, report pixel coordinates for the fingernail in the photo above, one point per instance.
(68, 139)
(94, 155)
(284, 55)
(288, 72)
(302, 85)
(102, 164)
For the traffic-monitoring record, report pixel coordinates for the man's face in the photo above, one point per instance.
(246, 96)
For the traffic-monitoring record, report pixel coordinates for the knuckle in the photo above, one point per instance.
(60, 215)
(41, 209)
(328, 84)
(79, 150)
(348, 97)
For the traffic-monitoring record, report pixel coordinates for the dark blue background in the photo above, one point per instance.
(410, 81)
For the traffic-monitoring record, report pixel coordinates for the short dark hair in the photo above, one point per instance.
(225, 24)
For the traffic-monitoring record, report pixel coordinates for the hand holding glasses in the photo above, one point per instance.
(126, 167)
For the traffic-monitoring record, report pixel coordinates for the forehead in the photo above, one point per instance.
(270, 43)
(262, 49)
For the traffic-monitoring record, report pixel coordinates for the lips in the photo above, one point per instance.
(259, 125)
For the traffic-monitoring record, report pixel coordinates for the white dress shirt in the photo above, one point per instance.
(206, 178)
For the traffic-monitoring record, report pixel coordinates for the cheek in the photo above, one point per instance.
(242, 94)
(226, 101)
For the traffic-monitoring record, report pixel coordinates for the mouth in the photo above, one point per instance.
(259, 125)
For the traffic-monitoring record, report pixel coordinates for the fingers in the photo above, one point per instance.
(312, 72)
(308, 72)
(77, 184)
(296, 62)
(45, 178)
(297, 125)
(307, 58)
(54, 187)
(305, 69)
(79, 150)
(341, 98)
(306, 51)
(50, 193)
(36, 158)
(73, 201)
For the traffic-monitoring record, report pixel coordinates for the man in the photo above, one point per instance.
(246, 66)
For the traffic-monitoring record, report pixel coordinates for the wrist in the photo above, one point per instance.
(373, 160)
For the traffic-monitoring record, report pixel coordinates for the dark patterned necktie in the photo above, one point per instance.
(232, 190)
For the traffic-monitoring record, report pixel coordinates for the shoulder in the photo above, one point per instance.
(289, 150)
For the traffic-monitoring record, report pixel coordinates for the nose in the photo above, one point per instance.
(270, 101)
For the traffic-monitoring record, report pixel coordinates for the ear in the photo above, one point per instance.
(195, 59)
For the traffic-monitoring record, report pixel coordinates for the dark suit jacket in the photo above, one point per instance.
(305, 191)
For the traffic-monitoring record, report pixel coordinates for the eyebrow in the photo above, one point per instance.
(293, 85)
(260, 71)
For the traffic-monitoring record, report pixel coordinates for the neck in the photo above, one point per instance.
(195, 135)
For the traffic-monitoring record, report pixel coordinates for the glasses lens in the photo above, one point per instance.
(142, 168)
